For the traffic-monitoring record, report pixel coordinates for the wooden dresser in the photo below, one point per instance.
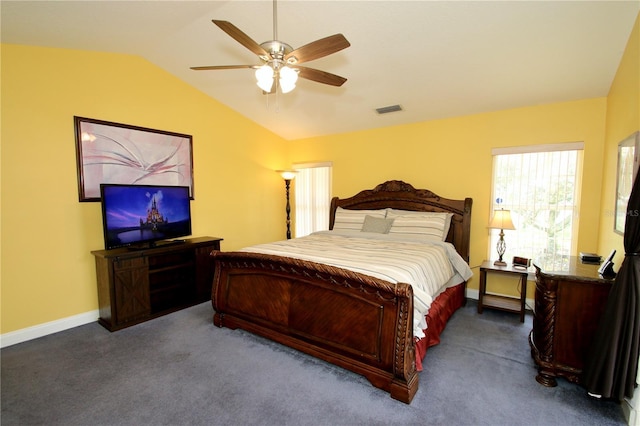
(568, 307)
(138, 285)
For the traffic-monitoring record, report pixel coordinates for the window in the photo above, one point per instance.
(312, 197)
(540, 185)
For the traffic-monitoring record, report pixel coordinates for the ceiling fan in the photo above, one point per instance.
(280, 62)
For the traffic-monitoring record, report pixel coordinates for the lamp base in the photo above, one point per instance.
(500, 263)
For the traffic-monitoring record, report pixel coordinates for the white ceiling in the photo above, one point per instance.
(436, 59)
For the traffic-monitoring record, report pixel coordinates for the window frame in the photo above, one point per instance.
(560, 257)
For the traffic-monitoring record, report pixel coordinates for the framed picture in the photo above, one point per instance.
(628, 152)
(119, 153)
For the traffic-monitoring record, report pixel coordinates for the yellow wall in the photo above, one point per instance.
(46, 235)
(623, 118)
(47, 271)
(452, 157)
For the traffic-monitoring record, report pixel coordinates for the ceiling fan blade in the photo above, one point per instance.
(320, 76)
(241, 37)
(318, 49)
(223, 67)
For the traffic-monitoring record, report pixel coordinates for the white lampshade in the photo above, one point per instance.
(288, 78)
(264, 75)
(287, 174)
(501, 220)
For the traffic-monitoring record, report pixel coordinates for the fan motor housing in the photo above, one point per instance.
(276, 49)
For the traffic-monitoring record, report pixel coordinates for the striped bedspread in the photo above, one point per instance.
(430, 267)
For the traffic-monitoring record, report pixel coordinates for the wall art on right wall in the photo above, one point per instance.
(628, 151)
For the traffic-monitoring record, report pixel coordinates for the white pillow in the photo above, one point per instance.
(431, 225)
(353, 220)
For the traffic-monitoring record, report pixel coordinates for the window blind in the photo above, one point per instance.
(312, 197)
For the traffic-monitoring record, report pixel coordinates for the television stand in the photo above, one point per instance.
(154, 244)
(136, 285)
(166, 243)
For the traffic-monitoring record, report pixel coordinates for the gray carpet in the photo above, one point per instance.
(182, 370)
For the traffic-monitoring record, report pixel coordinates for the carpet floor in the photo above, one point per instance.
(180, 369)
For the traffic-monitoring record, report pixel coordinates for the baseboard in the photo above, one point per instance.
(630, 412)
(40, 330)
(472, 294)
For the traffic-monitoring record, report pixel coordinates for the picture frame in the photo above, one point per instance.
(628, 151)
(109, 152)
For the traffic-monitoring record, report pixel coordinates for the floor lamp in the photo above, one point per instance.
(501, 220)
(288, 176)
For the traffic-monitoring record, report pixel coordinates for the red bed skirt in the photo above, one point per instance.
(439, 313)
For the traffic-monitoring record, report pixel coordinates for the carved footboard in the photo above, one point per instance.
(357, 322)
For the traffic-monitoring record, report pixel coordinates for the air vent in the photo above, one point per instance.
(388, 109)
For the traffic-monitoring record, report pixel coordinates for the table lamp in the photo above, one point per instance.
(501, 220)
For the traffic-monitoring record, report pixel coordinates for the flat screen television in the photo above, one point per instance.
(143, 216)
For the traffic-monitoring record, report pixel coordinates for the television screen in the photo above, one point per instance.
(144, 216)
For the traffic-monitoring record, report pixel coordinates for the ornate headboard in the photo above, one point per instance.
(401, 195)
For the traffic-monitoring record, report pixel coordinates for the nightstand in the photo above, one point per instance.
(504, 303)
(569, 305)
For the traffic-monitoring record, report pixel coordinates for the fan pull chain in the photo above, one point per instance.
(277, 99)
(276, 103)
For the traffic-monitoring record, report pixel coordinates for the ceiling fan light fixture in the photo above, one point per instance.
(276, 55)
(264, 75)
(288, 79)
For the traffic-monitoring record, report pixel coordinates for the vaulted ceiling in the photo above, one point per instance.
(435, 59)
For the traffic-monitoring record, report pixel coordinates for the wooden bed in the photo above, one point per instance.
(358, 322)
